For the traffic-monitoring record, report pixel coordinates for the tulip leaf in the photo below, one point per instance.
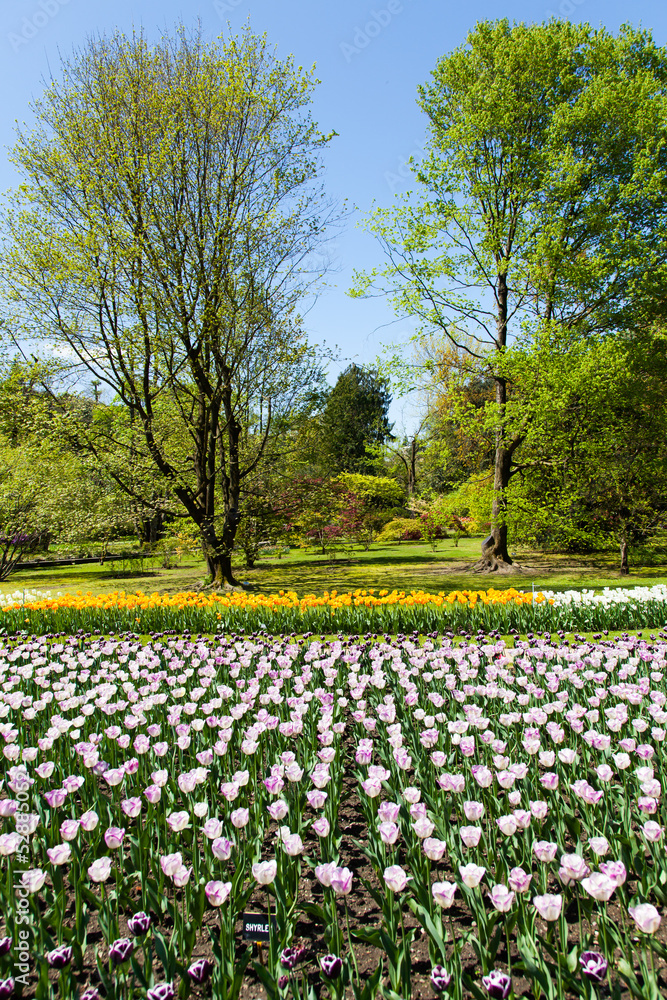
(315, 911)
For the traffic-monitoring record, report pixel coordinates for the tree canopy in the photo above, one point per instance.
(355, 420)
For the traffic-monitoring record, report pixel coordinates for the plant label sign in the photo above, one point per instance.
(256, 927)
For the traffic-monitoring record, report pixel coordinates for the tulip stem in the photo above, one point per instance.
(509, 950)
(349, 942)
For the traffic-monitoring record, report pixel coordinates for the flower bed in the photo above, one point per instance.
(354, 611)
(467, 819)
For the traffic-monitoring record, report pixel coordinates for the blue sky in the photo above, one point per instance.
(370, 58)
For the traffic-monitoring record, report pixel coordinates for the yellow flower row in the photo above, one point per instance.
(119, 600)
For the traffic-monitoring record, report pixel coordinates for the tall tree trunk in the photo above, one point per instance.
(220, 570)
(412, 468)
(495, 556)
(494, 548)
(151, 528)
(625, 566)
(218, 554)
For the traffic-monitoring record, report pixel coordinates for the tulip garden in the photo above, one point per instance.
(354, 611)
(413, 815)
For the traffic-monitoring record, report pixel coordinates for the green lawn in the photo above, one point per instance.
(406, 566)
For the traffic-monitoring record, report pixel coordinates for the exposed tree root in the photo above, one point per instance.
(491, 564)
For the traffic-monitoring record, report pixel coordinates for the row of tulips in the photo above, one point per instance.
(511, 800)
(356, 611)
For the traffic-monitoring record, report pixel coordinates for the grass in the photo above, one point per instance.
(406, 566)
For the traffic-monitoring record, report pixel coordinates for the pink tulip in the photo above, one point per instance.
(372, 787)
(599, 886)
(482, 775)
(646, 917)
(33, 879)
(178, 821)
(229, 790)
(548, 906)
(614, 870)
(292, 844)
(69, 828)
(321, 827)
(473, 811)
(274, 784)
(519, 880)
(113, 837)
(89, 820)
(264, 872)
(388, 812)
(55, 798)
(181, 877)
(573, 868)
(240, 818)
(501, 898)
(443, 893)
(324, 872)
(212, 828)
(100, 870)
(114, 776)
(545, 851)
(217, 892)
(507, 825)
(471, 875)
(423, 827)
(341, 881)
(523, 818)
(395, 878)
(652, 831)
(584, 791)
(186, 783)
(599, 845)
(470, 835)
(434, 849)
(60, 854)
(222, 848)
(171, 863)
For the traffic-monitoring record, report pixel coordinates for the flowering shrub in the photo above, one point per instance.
(160, 786)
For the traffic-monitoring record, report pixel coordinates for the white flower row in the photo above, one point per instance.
(609, 596)
(24, 596)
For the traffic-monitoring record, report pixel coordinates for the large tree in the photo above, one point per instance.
(163, 239)
(541, 203)
(355, 421)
